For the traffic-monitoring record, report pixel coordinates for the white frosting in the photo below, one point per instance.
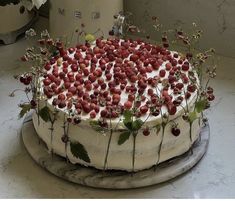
(120, 156)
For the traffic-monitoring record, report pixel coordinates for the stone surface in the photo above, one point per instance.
(21, 177)
(111, 179)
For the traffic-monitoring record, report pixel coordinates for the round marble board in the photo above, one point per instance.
(111, 179)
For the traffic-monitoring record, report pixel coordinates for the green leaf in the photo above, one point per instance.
(192, 116)
(24, 109)
(127, 115)
(124, 136)
(89, 37)
(200, 105)
(137, 124)
(158, 127)
(127, 119)
(79, 151)
(96, 126)
(44, 113)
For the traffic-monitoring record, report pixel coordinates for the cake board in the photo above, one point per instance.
(92, 177)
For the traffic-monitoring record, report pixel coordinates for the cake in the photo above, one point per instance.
(118, 105)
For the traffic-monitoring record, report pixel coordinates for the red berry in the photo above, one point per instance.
(74, 67)
(128, 105)
(211, 97)
(146, 132)
(168, 66)
(185, 67)
(162, 73)
(179, 86)
(210, 90)
(61, 97)
(93, 114)
(65, 138)
(33, 103)
(46, 82)
(92, 78)
(131, 97)
(144, 109)
(109, 76)
(175, 131)
(73, 90)
(134, 57)
(150, 92)
(172, 109)
(77, 120)
(191, 88)
(104, 113)
(62, 104)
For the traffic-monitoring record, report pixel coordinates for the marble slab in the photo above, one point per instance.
(111, 179)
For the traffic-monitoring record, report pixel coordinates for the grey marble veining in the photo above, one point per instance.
(21, 177)
(111, 179)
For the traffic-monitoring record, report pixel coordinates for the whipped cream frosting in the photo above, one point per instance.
(147, 147)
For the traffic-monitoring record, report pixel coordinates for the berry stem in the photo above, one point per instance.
(66, 133)
(107, 151)
(109, 142)
(133, 153)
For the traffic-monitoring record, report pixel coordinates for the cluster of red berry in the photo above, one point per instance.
(98, 79)
(25, 79)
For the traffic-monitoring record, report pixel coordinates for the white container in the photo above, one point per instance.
(67, 16)
(12, 21)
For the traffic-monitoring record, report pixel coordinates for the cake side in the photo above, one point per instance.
(120, 157)
(79, 89)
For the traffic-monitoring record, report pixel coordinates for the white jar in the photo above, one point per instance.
(12, 21)
(67, 16)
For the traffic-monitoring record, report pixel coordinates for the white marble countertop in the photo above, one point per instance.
(21, 177)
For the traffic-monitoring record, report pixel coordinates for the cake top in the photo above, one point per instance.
(111, 76)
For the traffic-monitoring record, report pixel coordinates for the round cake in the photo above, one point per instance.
(118, 105)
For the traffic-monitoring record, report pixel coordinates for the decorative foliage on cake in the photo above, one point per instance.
(119, 84)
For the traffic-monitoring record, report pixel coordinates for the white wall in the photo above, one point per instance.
(215, 17)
